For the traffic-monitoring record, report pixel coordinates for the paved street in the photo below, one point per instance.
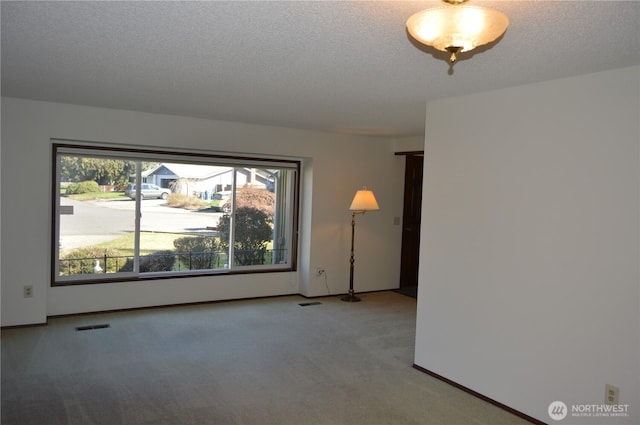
(98, 221)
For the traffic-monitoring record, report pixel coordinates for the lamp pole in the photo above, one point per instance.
(350, 297)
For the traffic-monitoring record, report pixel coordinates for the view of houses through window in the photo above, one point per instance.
(126, 214)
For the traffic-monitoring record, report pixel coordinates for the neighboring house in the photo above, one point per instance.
(201, 179)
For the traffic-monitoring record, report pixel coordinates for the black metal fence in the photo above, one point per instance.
(167, 261)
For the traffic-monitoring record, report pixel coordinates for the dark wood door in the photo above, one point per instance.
(411, 220)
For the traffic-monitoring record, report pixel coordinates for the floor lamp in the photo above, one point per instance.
(363, 201)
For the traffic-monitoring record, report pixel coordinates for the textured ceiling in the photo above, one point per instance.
(339, 66)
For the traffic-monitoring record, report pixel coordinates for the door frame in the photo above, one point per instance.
(411, 211)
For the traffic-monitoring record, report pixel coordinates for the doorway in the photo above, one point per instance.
(411, 216)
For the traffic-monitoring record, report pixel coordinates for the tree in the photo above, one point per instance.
(260, 199)
(252, 232)
(103, 171)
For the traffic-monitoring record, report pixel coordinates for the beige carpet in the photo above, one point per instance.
(268, 361)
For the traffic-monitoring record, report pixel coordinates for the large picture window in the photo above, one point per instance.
(127, 214)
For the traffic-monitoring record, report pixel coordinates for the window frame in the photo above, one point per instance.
(196, 157)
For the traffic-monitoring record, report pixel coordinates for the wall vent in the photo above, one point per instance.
(92, 327)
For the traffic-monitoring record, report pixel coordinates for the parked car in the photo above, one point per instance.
(221, 201)
(147, 191)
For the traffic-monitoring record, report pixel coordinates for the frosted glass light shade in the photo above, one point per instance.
(364, 201)
(461, 27)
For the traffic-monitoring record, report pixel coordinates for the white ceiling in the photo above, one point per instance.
(339, 66)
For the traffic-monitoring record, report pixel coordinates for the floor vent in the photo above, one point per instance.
(92, 327)
(308, 304)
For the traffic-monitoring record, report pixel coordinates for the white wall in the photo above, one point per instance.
(529, 267)
(335, 167)
(409, 144)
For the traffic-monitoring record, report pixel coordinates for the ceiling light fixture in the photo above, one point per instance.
(457, 28)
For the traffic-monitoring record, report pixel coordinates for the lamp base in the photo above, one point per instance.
(350, 297)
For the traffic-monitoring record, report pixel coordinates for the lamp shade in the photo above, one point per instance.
(462, 27)
(364, 201)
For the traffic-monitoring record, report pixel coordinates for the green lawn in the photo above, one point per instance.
(149, 242)
(175, 200)
(97, 195)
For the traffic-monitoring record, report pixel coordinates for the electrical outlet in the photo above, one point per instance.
(27, 291)
(319, 271)
(611, 394)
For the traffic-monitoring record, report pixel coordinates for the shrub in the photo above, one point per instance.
(161, 261)
(88, 186)
(197, 252)
(178, 200)
(252, 232)
(83, 261)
